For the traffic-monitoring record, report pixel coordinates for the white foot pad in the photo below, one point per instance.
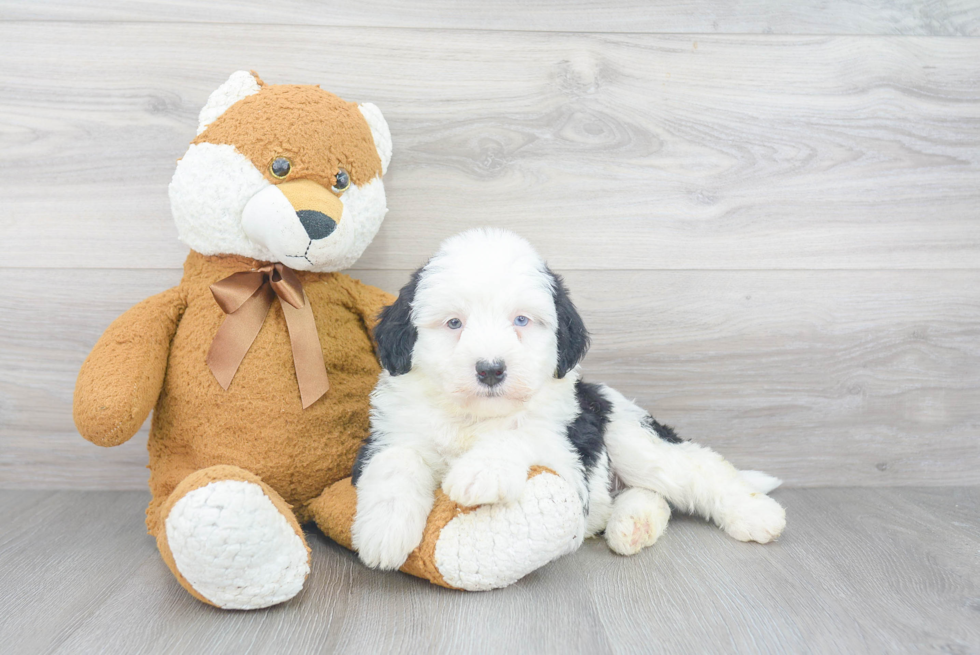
(496, 545)
(234, 547)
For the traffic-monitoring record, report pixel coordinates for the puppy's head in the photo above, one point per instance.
(486, 321)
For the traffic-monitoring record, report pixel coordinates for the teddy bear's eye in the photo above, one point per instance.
(342, 181)
(280, 167)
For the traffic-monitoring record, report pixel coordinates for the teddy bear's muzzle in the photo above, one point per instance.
(318, 209)
(288, 218)
(317, 224)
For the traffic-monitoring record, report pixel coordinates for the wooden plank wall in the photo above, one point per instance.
(769, 214)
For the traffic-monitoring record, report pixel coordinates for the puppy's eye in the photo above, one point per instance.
(454, 324)
(521, 321)
(342, 181)
(280, 167)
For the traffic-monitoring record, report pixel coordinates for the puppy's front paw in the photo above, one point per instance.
(755, 518)
(482, 482)
(384, 536)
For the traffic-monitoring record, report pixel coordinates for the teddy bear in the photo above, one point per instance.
(259, 365)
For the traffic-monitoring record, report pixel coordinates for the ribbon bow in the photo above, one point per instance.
(246, 298)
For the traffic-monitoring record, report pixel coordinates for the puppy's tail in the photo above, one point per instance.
(759, 481)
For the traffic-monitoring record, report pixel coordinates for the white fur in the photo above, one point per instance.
(379, 131)
(601, 502)
(272, 226)
(271, 223)
(694, 478)
(638, 519)
(223, 205)
(759, 481)
(234, 547)
(364, 211)
(436, 425)
(240, 85)
(208, 193)
(403, 493)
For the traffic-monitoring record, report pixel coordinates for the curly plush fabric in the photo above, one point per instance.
(259, 423)
(223, 523)
(317, 131)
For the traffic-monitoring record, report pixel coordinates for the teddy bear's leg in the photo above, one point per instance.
(477, 548)
(231, 540)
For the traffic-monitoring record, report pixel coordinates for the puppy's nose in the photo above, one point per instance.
(490, 373)
(317, 224)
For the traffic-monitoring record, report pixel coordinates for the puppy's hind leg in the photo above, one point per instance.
(639, 517)
(694, 478)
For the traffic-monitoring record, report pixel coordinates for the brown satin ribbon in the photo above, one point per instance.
(246, 298)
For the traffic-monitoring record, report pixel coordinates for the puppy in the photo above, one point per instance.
(481, 382)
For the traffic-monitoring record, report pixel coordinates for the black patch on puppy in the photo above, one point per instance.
(587, 430)
(573, 338)
(665, 432)
(364, 454)
(394, 334)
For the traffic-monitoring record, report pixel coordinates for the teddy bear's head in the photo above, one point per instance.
(282, 173)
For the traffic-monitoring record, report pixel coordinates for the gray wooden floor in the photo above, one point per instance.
(858, 570)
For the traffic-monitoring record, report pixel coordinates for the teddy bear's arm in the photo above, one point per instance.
(368, 302)
(121, 378)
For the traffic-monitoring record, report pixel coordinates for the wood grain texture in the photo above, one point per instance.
(858, 570)
(53, 583)
(819, 377)
(610, 151)
(935, 18)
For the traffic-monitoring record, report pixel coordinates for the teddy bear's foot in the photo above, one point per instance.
(232, 541)
(477, 548)
(493, 546)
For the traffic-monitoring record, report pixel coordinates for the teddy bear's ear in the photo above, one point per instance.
(380, 132)
(240, 85)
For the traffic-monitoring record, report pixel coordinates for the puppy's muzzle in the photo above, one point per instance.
(491, 373)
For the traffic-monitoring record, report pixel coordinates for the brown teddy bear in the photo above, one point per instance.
(260, 363)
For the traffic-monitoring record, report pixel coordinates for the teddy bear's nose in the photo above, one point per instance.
(317, 224)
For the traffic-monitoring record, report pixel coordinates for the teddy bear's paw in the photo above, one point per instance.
(756, 517)
(496, 545)
(235, 547)
(639, 518)
(471, 482)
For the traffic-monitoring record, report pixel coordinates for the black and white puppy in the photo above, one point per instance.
(481, 382)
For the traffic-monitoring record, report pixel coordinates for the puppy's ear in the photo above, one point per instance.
(394, 334)
(573, 338)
